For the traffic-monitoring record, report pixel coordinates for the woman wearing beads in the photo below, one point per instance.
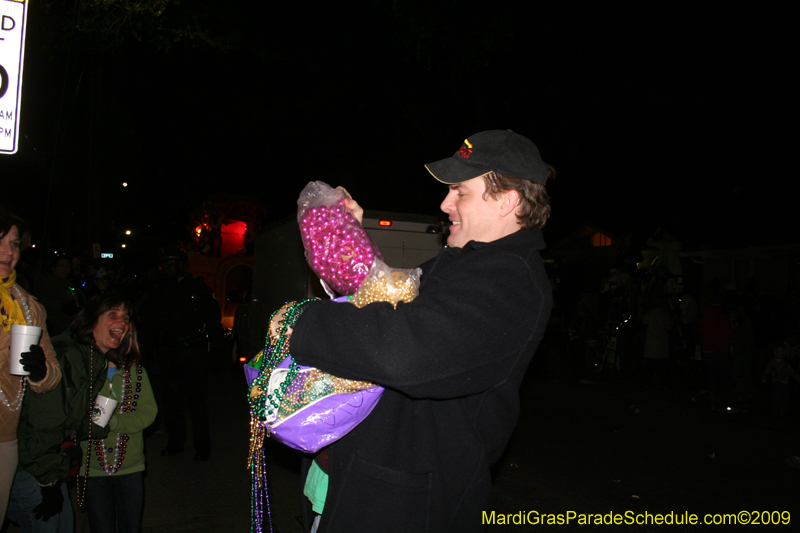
(18, 307)
(99, 336)
(116, 464)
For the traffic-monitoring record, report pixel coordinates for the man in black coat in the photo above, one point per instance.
(451, 361)
(181, 323)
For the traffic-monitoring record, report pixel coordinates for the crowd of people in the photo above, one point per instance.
(451, 361)
(91, 349)
(653, 323)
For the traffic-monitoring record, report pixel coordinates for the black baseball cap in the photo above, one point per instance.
(501, 151)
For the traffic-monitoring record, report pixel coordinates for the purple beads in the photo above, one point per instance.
(338, 248)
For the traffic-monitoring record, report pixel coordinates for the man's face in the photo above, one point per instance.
(61, 269)
(172, 268)
(473, 217)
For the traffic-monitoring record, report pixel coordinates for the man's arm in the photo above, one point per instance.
(458, 337)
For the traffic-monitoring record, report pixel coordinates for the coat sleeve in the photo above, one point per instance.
(460, 336)
(41, 436)
(53, 375)
(49, 419)
(143, 416)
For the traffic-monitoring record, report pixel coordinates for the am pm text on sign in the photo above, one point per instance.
(13, 14)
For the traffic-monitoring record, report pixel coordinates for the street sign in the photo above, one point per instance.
(13, 14)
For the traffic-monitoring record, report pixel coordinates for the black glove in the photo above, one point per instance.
(52, 502)
(34, 363)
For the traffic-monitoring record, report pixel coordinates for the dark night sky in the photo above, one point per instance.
(653, 115)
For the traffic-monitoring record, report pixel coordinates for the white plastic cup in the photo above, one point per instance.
(21, 339)
(103, 409)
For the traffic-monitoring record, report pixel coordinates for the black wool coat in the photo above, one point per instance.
(452, 361)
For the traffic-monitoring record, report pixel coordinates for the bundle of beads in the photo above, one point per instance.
(300, 387)
(103, 451)
(263, 406)
(381, 286)
(338, 249)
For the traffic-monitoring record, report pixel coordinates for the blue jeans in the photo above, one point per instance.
(25, 496)
(115, 503)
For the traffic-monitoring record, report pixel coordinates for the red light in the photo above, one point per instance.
(243, 359)
(386, 223)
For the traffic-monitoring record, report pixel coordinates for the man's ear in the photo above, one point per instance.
(510, 202)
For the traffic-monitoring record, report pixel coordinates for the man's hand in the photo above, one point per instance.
(34, 363)
(52, 502)
(352, 205)
(275, 325)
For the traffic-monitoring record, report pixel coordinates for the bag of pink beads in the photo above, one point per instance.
(338, 249)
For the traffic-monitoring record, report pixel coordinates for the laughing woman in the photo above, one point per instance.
(98, 335)
(17, 307)
(115, 487)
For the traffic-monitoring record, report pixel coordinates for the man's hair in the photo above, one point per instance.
(534, 206)
(55, 260)
(82, 327)
(8, 220)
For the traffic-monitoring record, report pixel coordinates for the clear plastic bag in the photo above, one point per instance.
(338, 249)
(386, 284)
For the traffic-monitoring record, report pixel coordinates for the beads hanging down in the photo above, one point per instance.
(16, 403)
(127, 405)
(263, 406)
(82, 484)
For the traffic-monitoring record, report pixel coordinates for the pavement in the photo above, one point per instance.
(584, 448)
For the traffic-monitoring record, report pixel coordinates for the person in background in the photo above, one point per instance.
(656, 364)
(101, 281)
(77, 281)
(717, 332)
(778, 372)
(18, 307)
(115, 486)
(182, 324)
(57, 295)
(39, 500)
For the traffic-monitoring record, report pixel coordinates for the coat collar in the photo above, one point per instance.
(528, 238)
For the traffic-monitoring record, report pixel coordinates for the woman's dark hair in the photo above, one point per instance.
(8, 220)
(133, 354)
(82, 327)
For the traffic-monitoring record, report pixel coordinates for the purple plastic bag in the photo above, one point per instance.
(324, 421)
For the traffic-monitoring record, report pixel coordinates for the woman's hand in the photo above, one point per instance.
(352, 205)
(34, 363)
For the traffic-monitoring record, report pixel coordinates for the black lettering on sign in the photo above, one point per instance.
(5, 23)
(3, 81)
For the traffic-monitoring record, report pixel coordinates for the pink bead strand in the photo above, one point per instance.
(338, 248)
